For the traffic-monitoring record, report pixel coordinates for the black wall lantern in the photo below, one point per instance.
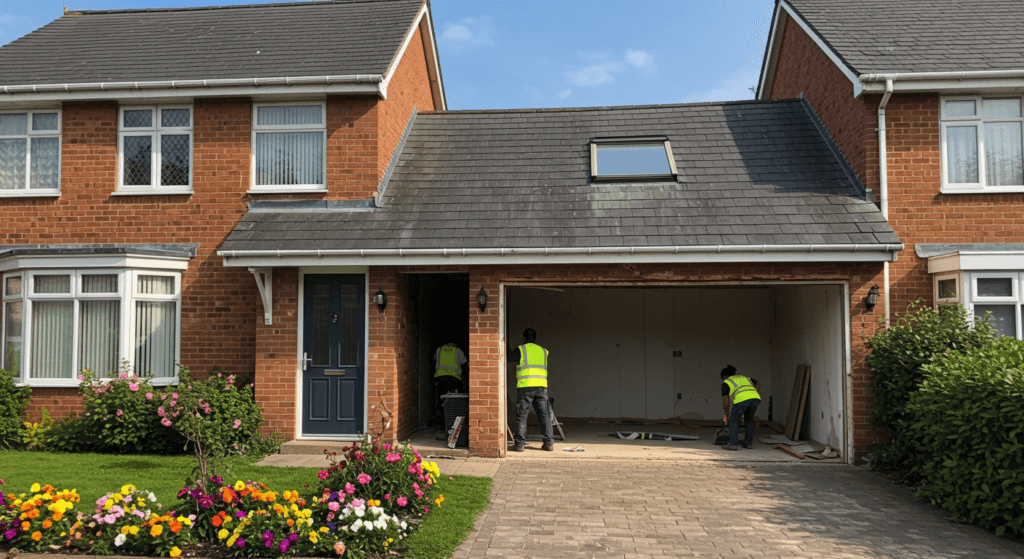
(381, 299)
(872, 299)
(481, 299)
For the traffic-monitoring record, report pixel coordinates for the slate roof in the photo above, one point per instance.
(346, 37)
(888, 36)
(751, 173)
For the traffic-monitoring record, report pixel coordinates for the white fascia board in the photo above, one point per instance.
(83, 261)
(597, 255)
(951, 83)
(421, 17)
(969, 261)
(832, 55)
(327, 85)
(771, 57)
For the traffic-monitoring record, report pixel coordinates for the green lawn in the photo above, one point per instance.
(94, 475)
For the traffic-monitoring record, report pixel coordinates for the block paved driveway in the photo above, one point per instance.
(660, 508)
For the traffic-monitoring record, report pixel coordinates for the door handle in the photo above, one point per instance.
(305, 361)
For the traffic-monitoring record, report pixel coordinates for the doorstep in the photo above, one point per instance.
(317, 447)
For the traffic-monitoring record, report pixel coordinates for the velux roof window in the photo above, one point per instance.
(631, 159)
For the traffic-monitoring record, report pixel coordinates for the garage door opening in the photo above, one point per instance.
(655, 353)
(441, 316)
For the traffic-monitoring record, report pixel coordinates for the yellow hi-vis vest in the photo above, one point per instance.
(533, 366)
(741, 389)
(448, 362)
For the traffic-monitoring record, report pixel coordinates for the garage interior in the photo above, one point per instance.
(441, 315)
(650, 354)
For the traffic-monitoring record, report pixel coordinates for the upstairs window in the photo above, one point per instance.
(30, 153)
(289, 142)
(982, 144)
(155, 145)
(631, 159)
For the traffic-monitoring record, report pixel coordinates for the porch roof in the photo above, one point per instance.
(757, 181)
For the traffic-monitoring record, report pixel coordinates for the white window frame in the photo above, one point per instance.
(972, 298)
(265, 129)
(155, 132)
(29, 135)
(127, 294)
(979, 120)
(20, 297)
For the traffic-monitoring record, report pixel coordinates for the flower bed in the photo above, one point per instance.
(366, 502)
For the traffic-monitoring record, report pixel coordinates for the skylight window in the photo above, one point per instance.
(644, 158)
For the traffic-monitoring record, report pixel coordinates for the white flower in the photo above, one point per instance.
(377, 510)
(356, 525)
(360, 512)
(381, 524)
(368, 525)
(404, 525)
(119, 540)
(151, 496)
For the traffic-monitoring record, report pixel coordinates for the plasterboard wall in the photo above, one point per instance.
(612, 348)
(808, 330)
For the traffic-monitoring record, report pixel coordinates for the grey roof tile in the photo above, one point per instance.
(477, 196)
(339, 37)
(884, 36)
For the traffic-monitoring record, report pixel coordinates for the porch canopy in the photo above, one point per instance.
(753, 181)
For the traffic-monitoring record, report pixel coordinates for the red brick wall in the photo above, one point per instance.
(351, 148)
(803, 67)
(386, 353)
(409, 88)
(276, 355)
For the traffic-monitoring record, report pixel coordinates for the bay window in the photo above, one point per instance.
(289, 142)
(982, 144)
(58, 322)
(30, 153)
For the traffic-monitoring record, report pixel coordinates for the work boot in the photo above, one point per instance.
(548, 447)
(518, 448)
(730, 447)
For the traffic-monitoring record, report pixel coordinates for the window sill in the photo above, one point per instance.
(30, 193)
(75, 383)
(167, 192)
(288, 190)
(982, 190)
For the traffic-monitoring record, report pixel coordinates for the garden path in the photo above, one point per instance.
(644, 509)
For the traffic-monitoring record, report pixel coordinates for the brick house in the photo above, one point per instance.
(935, 88)
(328, 233)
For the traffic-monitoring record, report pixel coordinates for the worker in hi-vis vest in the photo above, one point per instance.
(448, 362)
(531, 390)
(742, 393)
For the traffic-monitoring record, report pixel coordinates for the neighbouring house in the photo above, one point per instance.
(324, 222)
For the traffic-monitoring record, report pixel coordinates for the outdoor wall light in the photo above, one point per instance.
(481, 299)
(381, 299)
(872, 299)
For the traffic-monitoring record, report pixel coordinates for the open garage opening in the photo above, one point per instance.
(654, 353)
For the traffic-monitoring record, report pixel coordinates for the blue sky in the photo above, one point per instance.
(498, 54)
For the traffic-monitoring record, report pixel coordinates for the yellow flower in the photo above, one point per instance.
(286, 495)
(324, 529)
(125, 530)
(313, 537)
(222, 534)
(231, 541)
(175, 551)
(156, 530)
(133, 530)
(239, 485)
(118, 497)
(107, 504)
(126, 489)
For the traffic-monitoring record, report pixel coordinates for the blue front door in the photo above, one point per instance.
(333, 354)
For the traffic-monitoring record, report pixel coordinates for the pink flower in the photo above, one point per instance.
(238, 423)
(149, 395)
(165, 422)
(412, 468)
(387, 446)
(323, 475)
(356, 503)
(161, 412)
(175, 395)
(110, 519)
(163, 396)
(393, 457)
(334, 505)
(81, 377)
(387, 496)
(363, 479)
(133, 386)
(123, 376)
(402, 501)
(173, 403)
(330, 516)
(426, 510)
(349, 488)
(119, 413)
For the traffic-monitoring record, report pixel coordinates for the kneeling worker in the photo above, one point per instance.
(742, 393)
(448, 362)
(531, 390)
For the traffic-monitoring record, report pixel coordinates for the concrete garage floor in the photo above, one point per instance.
(592, 435)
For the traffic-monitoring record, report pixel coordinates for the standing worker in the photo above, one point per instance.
(448, 362)
(531, 389)
(743, 393)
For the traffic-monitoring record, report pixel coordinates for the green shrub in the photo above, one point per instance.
(36, 434)
(71, 435)
(897, 355)
(970, 423)
(13, 403)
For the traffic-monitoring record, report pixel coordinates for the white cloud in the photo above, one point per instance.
(733, 87)
(469, 33)
(595, 75)
(564, 94)
(639, 58)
